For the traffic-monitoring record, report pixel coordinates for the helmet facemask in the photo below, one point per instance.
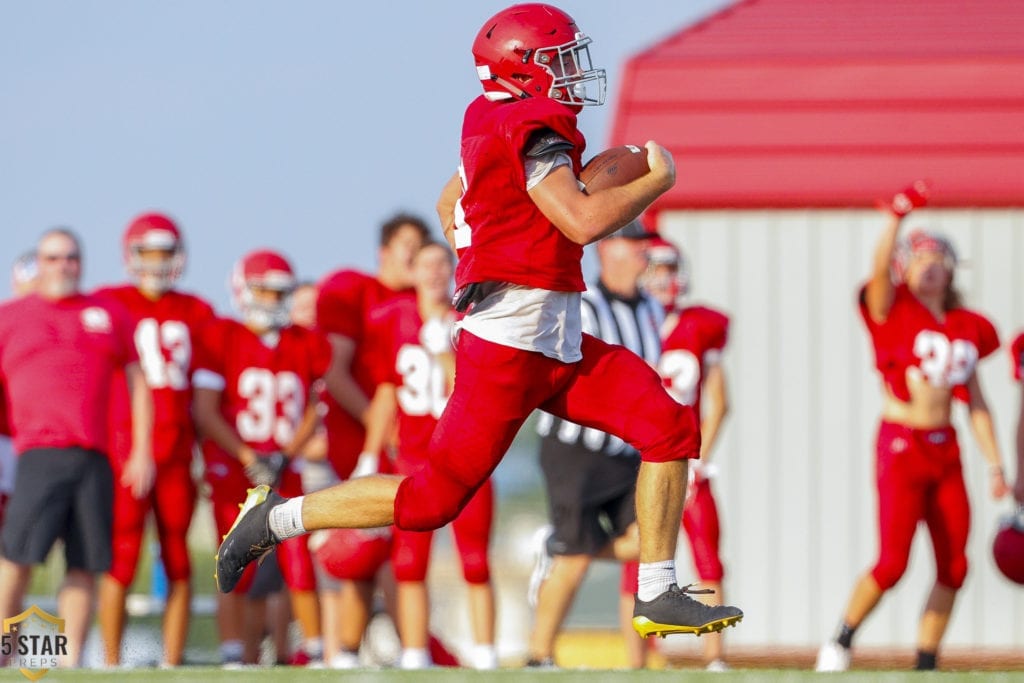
(572, 73)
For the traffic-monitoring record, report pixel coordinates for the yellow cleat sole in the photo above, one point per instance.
(646, 628)
(254, 497)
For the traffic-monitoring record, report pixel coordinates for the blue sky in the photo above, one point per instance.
(294, 125)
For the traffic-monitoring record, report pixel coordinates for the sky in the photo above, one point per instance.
(298, 126)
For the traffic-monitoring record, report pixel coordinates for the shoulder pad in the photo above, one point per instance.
(546, 141)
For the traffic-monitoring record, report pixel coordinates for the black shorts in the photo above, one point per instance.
(591, 496)
(65, 493)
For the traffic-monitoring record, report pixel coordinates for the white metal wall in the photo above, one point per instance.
(796, 493)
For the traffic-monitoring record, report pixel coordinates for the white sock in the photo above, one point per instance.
(415, 658)
(314, 647)
(655, 578)
(345, 660)
(483, 657)
(231, 650)
(286, 519)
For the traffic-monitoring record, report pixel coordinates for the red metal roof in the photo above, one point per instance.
(783, 103)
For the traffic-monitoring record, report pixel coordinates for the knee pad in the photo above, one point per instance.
(475, 568)
(125, 558)
(174, 554)
(888, 574)
(409, 560)
(428, 500)
(953, 574)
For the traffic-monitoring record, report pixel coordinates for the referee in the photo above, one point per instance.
(590, 476)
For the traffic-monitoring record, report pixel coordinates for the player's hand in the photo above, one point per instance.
(266, 469)
(138, 474)
(661, 163)
(367, 464)
(906, 200)
(998, 482)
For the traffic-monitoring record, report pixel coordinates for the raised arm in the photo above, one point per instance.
(878, 295)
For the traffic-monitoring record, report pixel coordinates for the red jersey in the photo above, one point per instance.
(1017, 357)
(59, 360)
(343, 307)
(266, 386)
(945, 353)
(697, 335)
(164, 332)
(420, 380)
(510, 239)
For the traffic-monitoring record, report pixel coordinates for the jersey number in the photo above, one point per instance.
(945, 363)
(682, 371)
(424, 389)
(275, 403)
(165, 350)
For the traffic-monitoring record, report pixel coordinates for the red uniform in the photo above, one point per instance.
(265, 388)
(918, 472)
(497, 385)
(422, 392)
(343, 307)
(696, 334)
(1017, 357)
(164, 330)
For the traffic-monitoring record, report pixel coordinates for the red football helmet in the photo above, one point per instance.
(919, 241)
(536, 50)
(263, 269)
(1008, 546)
(667, 287)
(351, 554)
(154, 232)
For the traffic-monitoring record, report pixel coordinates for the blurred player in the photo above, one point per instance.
(345, 300)
(416, 365)
(690, 364)
(23, 277)
(927, 346)
(253, 383)
(519, 220)
(60, 353)
(165, 322)
(1017, 353)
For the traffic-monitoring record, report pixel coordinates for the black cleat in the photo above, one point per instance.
(674, 611)
(249, 538)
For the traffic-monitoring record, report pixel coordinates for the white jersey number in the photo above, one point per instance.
(265, 392)
(165, 350)
(945, 363)
(424, 389)
(682, 369)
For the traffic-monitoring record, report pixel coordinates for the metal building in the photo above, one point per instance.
(788, 119)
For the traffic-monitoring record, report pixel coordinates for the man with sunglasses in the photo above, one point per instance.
(59, 352)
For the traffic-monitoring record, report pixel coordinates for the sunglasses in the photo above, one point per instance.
(73, 256)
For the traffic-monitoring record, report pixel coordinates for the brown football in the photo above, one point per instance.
(614, 167)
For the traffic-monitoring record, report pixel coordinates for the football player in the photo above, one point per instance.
(253, 383)
(1017, 355)
(518, 218)
(927, 347)
(414, 363)
(165, 324)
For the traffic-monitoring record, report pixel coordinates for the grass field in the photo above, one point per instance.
(293, 675)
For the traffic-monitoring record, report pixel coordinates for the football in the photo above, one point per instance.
(614, 167)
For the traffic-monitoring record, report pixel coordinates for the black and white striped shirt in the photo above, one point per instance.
(633, 323)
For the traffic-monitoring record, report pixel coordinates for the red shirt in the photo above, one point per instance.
(59, 360)
(420, 380)
(1017, 357)
(343, 307)
(946, 353)
(698, 330)
(164, 332)
(266, 387)
(511, 240)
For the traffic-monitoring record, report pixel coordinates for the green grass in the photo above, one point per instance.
(293, 675)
